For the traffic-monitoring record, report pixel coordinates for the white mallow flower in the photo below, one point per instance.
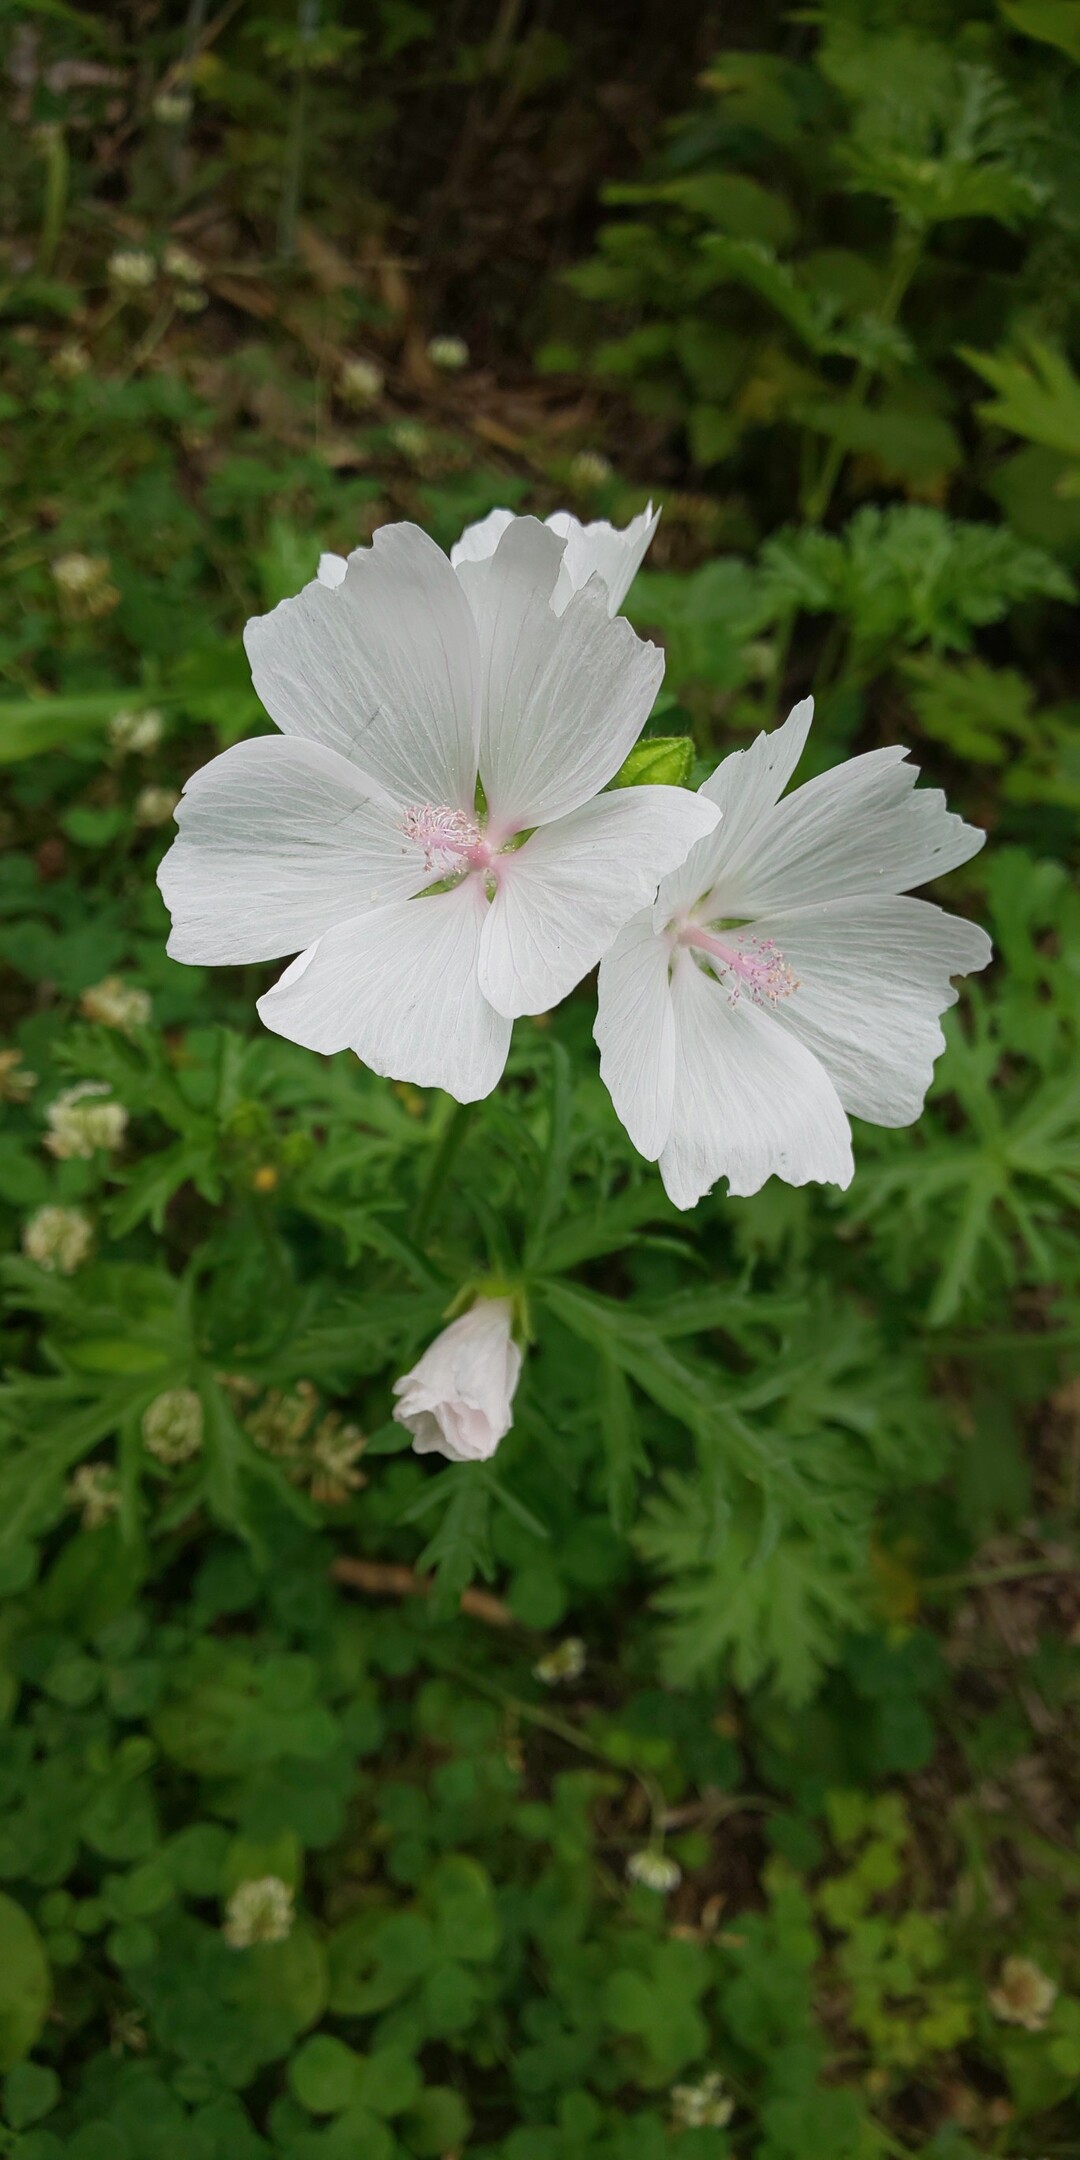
(783, 980)
(429, 913)
(458, 1400)
(611, 552)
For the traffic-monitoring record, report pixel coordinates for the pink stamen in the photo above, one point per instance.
(755, 965)
(450, 839)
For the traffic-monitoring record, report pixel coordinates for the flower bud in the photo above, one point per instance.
(140, 732)
(360, 383)
(131, 269)
(155, 805)
(457, 1401)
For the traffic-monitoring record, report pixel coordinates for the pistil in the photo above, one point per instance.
(755, 965)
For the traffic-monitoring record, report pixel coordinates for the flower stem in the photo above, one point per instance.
(456, 1129)
(906, 255)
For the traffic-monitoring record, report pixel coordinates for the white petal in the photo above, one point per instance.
(601, 550)
(480, 541)
(861, 829)
(563, 897)
(750, 1102)
(873, 978)
(332, 569)
(564, 698)
(383, 667)
(635, 1032)
(747, 786)
(279, 840)
(399, 986)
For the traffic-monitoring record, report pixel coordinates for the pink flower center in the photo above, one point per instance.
(451, 840)
(755, 965)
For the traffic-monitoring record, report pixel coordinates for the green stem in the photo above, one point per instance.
(54, 152)
(457, 1127)
(906, 255)
(307, 20)
(985, 1578)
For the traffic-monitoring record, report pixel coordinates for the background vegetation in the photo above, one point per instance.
(775, 1580)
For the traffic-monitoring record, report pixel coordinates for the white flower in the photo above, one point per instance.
(132, 269)
(84, 1118)
(58, 1239)
(261, 1911)
(565, 1662)
(591, 469)
(155, 805)
(598, 550)
(136, 731)
(179, 262)
(426, 923)
(707, 2106)
(654, 1870)
(782, 981)
(172, 1426)
(116, 1004)
(94, 1489)
(360, 383)
(458, 1400)
(451, 354)
(1024, 1995)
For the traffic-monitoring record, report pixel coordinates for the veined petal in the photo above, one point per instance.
(563, 897)
(564, 697)
(747, 786)
(601, 550)
(279, 840)
(635, 1033)
(383, 667)
(873, 977)
(399, 986)
(750, 1101)
(861, 829)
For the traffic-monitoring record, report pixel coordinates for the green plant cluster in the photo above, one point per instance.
(680, 1784)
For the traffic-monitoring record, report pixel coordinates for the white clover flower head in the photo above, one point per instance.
(78, 575)
(428, 831)
(705, 2106)
(17, 1082)
(591, 469)
(610, 552)
(565, 1662)
(58, 1239)
(179, 262)
(654, 1870)
(94, 1489)
(116, 1004)
(1024, 1994)
(458, 1399)
(84, 1118)
(155, 805)
(783, 980)
(261, 1911)
(70, 360)
(448, 354)
(137, 732)
(171, 108)
(131, 270)
(360, 383)
(172, 1426)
